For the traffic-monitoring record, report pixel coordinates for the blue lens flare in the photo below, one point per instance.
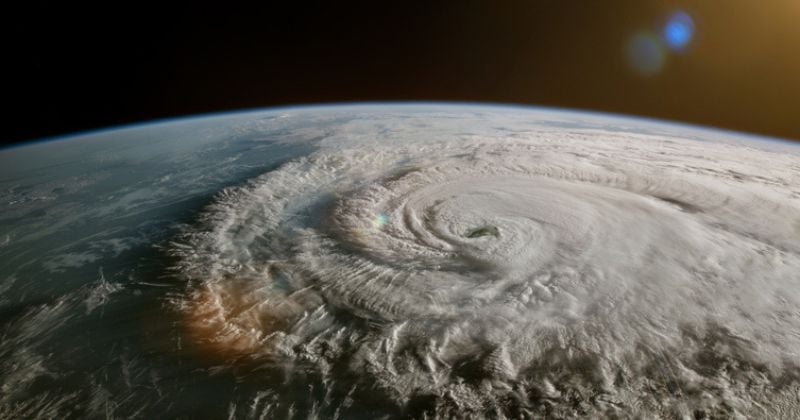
(647, 52)
(678, 31)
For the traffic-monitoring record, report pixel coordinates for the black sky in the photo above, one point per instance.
(76, 67)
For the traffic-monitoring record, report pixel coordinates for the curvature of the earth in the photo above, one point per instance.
(383, 261)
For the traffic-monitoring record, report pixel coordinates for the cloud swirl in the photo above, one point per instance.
(556, 272)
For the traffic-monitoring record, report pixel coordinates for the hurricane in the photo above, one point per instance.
(497, 273)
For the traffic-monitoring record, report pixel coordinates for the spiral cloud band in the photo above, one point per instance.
(495, 265)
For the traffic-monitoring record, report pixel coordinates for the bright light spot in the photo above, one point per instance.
(645, 54)
(379, 221)
(678, 31)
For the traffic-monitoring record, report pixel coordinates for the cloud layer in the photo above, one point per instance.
(463, 265)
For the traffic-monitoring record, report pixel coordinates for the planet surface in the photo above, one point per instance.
(401, 261)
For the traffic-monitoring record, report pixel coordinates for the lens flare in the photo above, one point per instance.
(645, 54)
(678, 31)
(379, 221)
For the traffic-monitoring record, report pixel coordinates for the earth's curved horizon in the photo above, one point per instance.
(642, 119)
(396, 260)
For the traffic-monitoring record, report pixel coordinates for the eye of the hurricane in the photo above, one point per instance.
(490, 268)
(483, 231)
